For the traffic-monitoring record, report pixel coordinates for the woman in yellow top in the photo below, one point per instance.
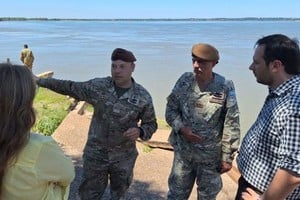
(32, 166)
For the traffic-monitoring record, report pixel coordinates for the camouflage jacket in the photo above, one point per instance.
(27, 57)
(212, 114)
(113, 115)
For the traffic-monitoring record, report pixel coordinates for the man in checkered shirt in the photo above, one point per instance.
(269, 156)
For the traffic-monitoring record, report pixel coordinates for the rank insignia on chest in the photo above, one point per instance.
(133, 100)
(102, 96)
(217, 97)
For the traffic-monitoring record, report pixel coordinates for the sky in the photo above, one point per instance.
(145, 9)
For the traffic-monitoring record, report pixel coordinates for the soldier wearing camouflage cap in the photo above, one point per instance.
(123, 112)
(203, 113)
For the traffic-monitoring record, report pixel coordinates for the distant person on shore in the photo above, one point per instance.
(27, 57)
(203, 113)
(123, 112)
(269, 156)
(33, 166)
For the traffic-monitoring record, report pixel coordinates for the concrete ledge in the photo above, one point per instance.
(79, 109)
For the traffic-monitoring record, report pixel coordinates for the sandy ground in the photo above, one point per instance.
(152, 168)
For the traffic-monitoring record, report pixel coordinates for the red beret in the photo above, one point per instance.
(122, 54)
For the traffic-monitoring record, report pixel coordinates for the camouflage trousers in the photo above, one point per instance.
(117, 167)
(185, 170)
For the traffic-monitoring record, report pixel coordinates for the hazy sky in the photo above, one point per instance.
(149, 8)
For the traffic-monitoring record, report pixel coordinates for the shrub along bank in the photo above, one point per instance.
(51, 108)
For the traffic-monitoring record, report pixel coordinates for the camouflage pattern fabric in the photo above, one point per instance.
(27, 57)
(212, 114)
(118, 163)
(181, 182)
(107, 151)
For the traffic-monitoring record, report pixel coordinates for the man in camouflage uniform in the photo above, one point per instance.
(123, 111)
(27, 57)
(203, 113)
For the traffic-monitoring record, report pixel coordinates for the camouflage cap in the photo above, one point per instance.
(205, 52)
(122, 54)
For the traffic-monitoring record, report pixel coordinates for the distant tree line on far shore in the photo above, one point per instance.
(153, 19)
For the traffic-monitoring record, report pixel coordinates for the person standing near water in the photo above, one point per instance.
(123, 112)
(203, 113)
(33, 166)
(27, 57)
(269, 156)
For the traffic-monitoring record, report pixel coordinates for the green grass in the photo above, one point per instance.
(147, 149)
(51, 108)
(162, 124)
(89, 108)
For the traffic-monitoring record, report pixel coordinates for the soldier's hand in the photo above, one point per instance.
(250, 194)
(132, 133)
(188, 134)
(225, 167)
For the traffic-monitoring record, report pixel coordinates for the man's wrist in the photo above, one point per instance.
(182, 130)
(259, 197)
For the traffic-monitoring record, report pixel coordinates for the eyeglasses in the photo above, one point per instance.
(200, 61)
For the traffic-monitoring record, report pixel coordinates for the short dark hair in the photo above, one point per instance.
(281, 47)
(25, 45)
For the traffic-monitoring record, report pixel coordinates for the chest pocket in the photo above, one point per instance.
(125, 112)
(209, 107)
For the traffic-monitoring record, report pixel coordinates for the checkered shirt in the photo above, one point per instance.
(273, 141)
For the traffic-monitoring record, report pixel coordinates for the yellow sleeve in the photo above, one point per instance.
(55, 167)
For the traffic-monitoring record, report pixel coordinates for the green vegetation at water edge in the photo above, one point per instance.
(51, 108)
(162, 124)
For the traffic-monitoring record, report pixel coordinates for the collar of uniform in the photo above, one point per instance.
(130, 92)
(216, 84)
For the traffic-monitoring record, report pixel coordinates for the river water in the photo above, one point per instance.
(80, 50)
